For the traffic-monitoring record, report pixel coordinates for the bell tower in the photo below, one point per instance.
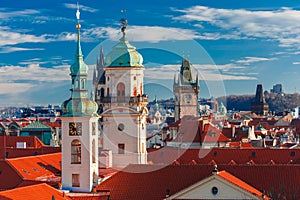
(124, 113)
(79, 129)
(186, 89)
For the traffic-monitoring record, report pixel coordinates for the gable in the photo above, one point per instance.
(214, 187)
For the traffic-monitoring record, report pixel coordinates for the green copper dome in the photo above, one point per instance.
(79, 104)
(124, 55)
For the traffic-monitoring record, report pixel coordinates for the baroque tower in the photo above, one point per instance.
(186, 89)
(79, 130)
(124, 103)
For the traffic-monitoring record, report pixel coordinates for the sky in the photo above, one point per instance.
(233, 45)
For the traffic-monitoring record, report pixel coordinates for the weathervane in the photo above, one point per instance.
(78, 17)
(123, 22)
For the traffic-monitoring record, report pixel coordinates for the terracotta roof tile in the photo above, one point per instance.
(45, 168)
(238, 182)
(40, 191)
(152, 181)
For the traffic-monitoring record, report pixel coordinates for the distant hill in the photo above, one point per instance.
(277, 103)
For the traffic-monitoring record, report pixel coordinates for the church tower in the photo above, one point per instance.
(124, 104)
(259, 105)
(99, 80)
(186, 90)
(79, 130)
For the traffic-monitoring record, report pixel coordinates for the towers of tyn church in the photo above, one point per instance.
(186, 89)
(123, 120)
(259, 105)
(79, 130)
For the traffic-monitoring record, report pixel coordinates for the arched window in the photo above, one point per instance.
(82, 84)
(120, 92)
(134, 92)
(93, 151)
(76, 152)
(77, 84)
(107, 91)
(102, 92)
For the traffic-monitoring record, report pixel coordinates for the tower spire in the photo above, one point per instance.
(123, 23)
(78, 26)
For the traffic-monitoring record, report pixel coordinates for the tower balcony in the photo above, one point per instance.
(125, 101)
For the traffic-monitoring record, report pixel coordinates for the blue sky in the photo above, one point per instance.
(232, 44)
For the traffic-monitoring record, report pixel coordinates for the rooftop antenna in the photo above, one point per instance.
(123, 22)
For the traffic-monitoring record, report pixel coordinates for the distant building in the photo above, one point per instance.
(277, 89)
(186, 89)
(259, 105)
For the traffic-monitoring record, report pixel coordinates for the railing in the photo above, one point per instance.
(121, 99)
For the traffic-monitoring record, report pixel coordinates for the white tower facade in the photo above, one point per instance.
(79, 131)
(124, 105)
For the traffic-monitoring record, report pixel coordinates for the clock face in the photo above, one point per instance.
(188, 97)
(75, 128)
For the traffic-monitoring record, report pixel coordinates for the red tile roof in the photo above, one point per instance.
(224, 155)
(40, 191)
(152, 181)
(44, 168)
(213, 134)
(238, 182)
(9, 178)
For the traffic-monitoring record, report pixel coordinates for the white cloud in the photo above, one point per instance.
(6, 15)
(33, 72)
(9, 37)
(9, 49)
(281, 25)
(206, 72)
(81, 7)
(296, 63)
(142, 33)
(249, 60)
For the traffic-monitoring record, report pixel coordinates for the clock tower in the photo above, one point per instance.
(186, 89)
(79, 130)
(123, 120)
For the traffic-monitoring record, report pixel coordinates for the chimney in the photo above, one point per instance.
(215, 170)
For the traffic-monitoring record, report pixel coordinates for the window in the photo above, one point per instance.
(141, 89)
(75, 152)
(93, 128)
(77, 84)
(75, 180)
(121, 148)
(214, 190)
(134, 92)
(82, 84)
(107, 91)
(121, 127)
(120, 92)
(94, 151)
